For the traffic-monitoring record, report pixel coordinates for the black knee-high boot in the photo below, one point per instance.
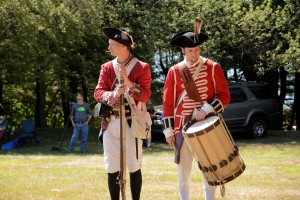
(113, 186)
(136, 184)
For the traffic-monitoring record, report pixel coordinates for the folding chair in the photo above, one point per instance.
(28, 134)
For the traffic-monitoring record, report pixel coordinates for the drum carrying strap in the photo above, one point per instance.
(189, 81)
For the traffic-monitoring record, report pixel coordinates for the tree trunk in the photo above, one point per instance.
(40, 89)
(272, 78)
(162, 66)
(283, 88)
(297, 99)
(84, 89)
(250, 74)
(225, 74)
(235, 75)
(248, 69)
(1, 98)
(1, 91)
(291, 123)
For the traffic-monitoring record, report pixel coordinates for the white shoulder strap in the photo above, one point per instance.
(128, 69)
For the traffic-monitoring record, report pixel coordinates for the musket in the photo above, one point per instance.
(122, 175)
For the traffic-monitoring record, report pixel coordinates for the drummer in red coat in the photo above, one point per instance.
(179, 107)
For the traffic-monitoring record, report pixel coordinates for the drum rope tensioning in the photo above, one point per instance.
(214, 149)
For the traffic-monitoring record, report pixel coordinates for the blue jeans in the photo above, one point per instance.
(84, 130)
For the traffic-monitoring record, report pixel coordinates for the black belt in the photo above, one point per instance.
(127, 113)
(116, 113)
(80, 122)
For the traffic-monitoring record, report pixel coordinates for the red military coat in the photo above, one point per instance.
(212, 87)
(140, 75)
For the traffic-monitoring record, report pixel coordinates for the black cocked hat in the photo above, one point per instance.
(119, 36)
(190, 38)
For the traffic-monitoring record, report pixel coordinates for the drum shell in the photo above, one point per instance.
(214, 149)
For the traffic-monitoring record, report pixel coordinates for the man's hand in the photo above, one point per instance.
(201, 115)
(120, 90)
(87, 121)
(123, 74)
(171, 140)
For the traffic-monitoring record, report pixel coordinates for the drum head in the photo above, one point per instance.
(202, 125)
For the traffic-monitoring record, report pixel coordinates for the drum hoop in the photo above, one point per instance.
(200, 132)
(229, 178)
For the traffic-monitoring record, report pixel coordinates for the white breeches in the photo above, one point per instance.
(184, 173)
(111, 146)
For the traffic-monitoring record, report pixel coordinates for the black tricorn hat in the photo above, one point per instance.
(190, 38)
(119, 36)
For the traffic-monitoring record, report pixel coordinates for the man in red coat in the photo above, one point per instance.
(179, 107)
(137, 81)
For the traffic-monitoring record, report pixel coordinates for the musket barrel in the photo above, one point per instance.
(122, 178)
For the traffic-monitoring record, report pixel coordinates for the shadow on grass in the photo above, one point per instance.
(49, 147)
(46, 145)
(276, 138)
(157, 146)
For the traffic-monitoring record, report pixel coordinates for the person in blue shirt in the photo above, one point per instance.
(81, 114)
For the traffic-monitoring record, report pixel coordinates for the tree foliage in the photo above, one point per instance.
(52, 49)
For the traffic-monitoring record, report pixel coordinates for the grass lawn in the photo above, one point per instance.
(37, 173)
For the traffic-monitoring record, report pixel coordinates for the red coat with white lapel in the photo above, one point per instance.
(212, 87)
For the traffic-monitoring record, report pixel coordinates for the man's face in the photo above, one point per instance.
(115, 48)
(192, 54)
(79, 99)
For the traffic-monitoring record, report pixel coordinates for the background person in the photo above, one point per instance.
(137, 81)
(81, 114)
(213, 89)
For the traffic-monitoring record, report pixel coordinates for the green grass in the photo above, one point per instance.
(37, 173)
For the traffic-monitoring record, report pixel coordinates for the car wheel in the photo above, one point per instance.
(257, 128)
